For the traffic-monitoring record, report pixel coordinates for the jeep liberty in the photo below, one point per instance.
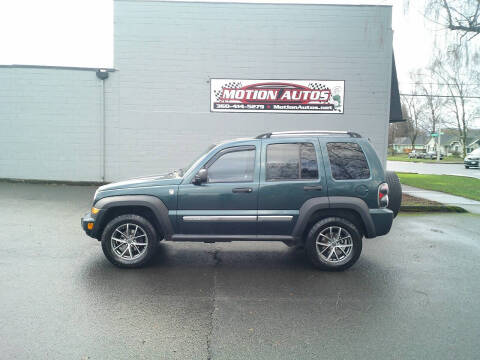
(320, 190)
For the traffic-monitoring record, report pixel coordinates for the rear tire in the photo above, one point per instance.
(333, 244)
(394, 192)
(129, 241)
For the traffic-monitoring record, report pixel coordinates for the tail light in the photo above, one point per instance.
(383, 195)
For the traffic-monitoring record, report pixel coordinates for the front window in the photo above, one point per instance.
(233, 166)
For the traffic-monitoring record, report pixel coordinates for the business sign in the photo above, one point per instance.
(285, 96)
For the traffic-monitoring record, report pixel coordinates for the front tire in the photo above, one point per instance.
(129, 241)
(467, 167)
(333, 244)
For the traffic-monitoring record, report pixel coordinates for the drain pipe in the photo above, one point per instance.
(102, 74)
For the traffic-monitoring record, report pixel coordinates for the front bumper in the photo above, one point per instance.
(382, 219)
(471, 162)
(87, 219)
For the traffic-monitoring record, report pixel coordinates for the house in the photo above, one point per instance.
(404, 144)
(450, 143)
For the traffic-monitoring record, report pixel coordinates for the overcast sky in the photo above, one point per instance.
(80, 33)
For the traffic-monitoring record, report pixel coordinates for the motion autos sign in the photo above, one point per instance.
(294, 96)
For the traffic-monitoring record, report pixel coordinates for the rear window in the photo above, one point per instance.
(293, 161)
(347, 161)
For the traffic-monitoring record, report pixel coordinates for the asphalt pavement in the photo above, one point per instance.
(433, 168)
(414, 294)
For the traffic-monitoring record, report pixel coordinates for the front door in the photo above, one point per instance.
(227, 203)
(291, 173)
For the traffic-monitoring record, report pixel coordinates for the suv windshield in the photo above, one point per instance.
(475, 152)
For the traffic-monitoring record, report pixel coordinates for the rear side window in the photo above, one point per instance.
(347, 161)
(292, 161)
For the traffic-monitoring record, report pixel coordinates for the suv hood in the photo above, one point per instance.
(152, 180)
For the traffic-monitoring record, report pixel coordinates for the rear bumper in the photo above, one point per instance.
(382, 220)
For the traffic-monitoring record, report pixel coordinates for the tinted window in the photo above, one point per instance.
(235, 166)
(347, 161)
(291, 162)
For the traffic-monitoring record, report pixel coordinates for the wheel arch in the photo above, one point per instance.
(353, 209)
(150, 207)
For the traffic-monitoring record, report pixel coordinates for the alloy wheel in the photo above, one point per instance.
(334, 244)
(129, 241)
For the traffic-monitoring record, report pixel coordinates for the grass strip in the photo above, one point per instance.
(455, 185)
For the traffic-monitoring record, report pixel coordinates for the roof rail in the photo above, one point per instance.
(309, 132)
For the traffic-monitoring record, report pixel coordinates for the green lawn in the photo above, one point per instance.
(455, 185)
(404, 157)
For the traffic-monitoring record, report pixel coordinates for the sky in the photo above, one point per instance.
(80, 33)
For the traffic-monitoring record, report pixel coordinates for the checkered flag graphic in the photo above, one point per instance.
(317, 86)
(230, 85)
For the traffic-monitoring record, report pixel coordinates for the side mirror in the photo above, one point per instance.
(201, 177)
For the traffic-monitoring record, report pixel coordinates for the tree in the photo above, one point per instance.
(413, 110)
(433, 103)
(457, 15)
(456, 80)
(426, 84)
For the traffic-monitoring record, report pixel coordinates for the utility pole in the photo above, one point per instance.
(439, 138)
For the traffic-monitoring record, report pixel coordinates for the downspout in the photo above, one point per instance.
(102, 74)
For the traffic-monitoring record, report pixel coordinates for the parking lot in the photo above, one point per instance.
(413, 294)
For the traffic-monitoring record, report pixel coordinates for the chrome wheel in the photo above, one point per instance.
(129, 241)
(334, 245)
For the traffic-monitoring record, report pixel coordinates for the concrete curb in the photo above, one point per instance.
(433, 209)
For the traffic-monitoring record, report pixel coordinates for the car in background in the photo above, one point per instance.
(416, 154)
(432, 155)
(472, 159)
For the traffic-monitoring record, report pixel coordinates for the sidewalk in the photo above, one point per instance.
(472, 206)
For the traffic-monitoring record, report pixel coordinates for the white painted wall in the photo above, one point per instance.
(157, 100)
(50, 122)
(166, 53)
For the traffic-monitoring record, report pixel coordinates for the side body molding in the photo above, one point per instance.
(333, 202)
(156, 205)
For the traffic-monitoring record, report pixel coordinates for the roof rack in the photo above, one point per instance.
(309, 133)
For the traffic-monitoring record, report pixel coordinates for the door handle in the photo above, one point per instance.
(313, 187)
(242, 190)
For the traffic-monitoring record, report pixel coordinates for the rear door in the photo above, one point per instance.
(292, 172)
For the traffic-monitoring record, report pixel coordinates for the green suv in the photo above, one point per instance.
(323, 191)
